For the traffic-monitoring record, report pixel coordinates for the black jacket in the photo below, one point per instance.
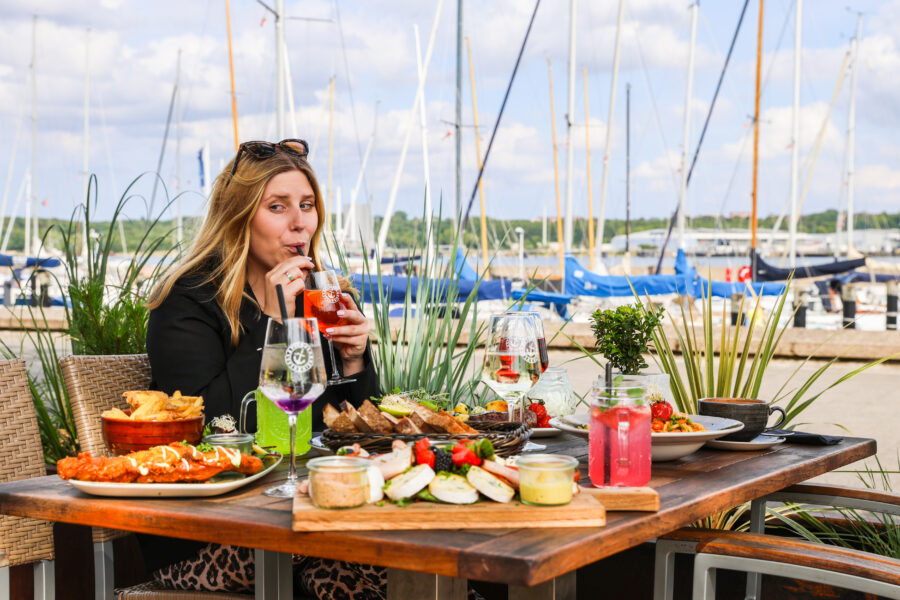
(190, 349)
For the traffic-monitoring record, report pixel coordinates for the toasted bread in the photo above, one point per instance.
(358, 422)
(374, 418)
(451, 424)
(406, 425)
(420, 423)
(337, 421)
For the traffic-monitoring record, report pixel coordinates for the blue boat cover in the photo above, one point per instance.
(556, 299)
(395, 287)
(8, 260)
(580, 281)
(463, 268)
(723, 289)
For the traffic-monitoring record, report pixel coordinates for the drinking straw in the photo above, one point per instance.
(281, 304)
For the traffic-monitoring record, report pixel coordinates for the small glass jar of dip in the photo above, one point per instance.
(338, 481)
(242, 442)
(546, 479)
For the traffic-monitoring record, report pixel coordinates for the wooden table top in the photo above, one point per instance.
(691, 488)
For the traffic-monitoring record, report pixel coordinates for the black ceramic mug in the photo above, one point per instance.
(754, 414)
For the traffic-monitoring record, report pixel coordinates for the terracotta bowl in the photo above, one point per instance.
(124, 435)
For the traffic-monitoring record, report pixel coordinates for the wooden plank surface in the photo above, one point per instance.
(691, 488)
(583, 511)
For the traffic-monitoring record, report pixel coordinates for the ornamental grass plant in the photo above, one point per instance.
(737, 369)
(423, 351)
(105, 312)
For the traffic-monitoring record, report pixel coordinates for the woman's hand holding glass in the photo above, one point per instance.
(351, 338)
(291, 275)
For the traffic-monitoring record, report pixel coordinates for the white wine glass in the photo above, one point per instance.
(292, 375)
(511, 360)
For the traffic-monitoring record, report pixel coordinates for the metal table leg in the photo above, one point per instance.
(274, 580)
(404, 585)
(560, 588)
(757, 525)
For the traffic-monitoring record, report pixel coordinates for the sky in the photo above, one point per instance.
(369, 47)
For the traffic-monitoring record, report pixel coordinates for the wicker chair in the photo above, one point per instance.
(95, 384)
(22, 541)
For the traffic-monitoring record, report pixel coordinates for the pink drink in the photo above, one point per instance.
(619, 447)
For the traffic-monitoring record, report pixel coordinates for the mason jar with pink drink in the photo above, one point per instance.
(619, 446)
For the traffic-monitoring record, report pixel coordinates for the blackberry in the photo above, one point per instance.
(443, 461)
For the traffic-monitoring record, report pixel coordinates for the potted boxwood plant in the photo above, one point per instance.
(622, 336)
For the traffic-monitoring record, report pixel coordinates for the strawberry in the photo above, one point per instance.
(424, 455)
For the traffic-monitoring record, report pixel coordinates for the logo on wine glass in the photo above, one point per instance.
(332, 295)
(522, 346)
(298, 357)
(531, 353)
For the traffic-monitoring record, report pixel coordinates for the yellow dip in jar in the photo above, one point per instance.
(338, 481)
(546, 479)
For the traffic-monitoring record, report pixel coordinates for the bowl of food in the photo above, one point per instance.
(670, 439)
(154, 419)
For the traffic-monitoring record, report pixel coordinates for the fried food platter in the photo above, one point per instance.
(221, 484)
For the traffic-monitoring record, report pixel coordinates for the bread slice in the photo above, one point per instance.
(391, 419)
(420, 423)
(337, 421)
(374, 418)
(406, 425)
(358, 422)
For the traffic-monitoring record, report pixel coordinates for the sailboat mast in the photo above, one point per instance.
(279, 74)
(851, 136)
(426, 168)
(627, 167)
(85, 150)
(686, 136)
(753, 215)
(601, 214)
(457, 204)
(484, 242)
(560, 239)
(179, 225)
(31, 203)
(587, 152)
(795, 136)
(395, 186)
(570, 122)
(330, 194)
(352, 227)
(234, 116)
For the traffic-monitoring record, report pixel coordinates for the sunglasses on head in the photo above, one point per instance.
(262, 150)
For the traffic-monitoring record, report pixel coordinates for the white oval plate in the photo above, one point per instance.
(171, 490)
(541, 432)
(760, 442)
(562, 425)
(666, 446)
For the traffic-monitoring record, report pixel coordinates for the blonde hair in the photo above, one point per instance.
(219, 252)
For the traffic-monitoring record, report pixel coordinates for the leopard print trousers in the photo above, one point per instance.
(221, 568)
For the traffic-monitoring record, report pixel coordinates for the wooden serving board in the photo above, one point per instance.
(583, 511)
(587, 509)
(640, 499)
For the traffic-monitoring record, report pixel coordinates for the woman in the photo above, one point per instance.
(207, 328)
(208, 316)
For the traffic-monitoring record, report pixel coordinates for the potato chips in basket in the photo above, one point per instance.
(149, 405)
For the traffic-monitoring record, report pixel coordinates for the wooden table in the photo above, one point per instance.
(536, 563)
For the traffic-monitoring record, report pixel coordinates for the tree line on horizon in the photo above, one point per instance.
(407, 232)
